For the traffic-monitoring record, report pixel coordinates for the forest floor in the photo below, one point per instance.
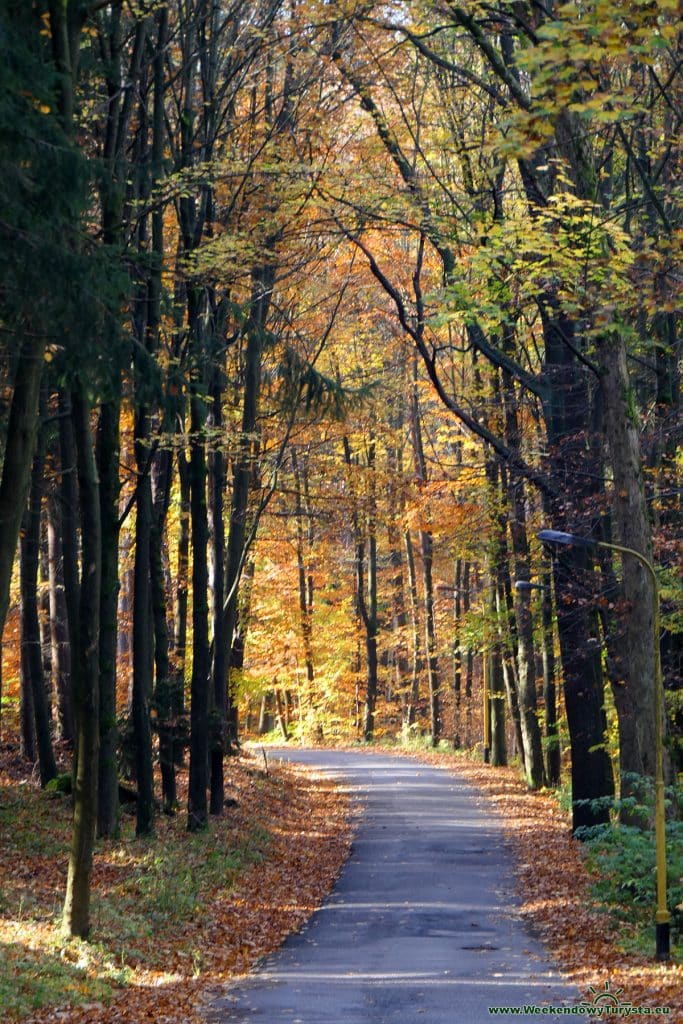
(174, 917)
(177, 917)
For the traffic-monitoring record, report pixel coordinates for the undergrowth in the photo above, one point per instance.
(622, 860)
(144, 891)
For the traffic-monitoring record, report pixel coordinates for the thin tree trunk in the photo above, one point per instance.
(370, 615)
(197, 812)
(426, 550)
(305, 580)
(220, 651)
(143, 630)
(22, 427)
(27, 718)
(497, 707)
(108, 454)
(262, 284)
(69, 521)
(515, 501)
(31, 659)
(469, 657)
(181, 608)
(59, 637)
(457, 654)
(163, 689)
(76, 915)
(552, 738)
(412, 704)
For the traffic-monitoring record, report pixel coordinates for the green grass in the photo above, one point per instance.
(30, 979)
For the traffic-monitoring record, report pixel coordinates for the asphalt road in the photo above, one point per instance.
(423, 925)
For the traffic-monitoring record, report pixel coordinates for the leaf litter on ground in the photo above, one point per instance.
(174, 917)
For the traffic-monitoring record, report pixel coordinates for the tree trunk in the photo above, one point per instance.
(261, 291)
(181, 607)
(426, 550)
(631, 516)
(31, 655)
(108, 453)
(22, 427)
(163, 689)
(305, 579)
(69, 515)
(412, 703)
(584, 697)
(76, 915)
(143, 631)
(197, 814)
(220, 651)
(27, 718)
(526, 664)
(566, 419)
(430, 638)
(457, 654)
(497, 708)
(552, 738)
(59, 636)
(370, 616)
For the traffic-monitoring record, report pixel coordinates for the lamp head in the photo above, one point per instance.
(565, 539)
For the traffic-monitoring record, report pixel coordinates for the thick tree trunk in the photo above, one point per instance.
(631, 517)
(399, 617)
(44, 608)
(583, 686)
(566, 421)
(76, 915)
(469, 655)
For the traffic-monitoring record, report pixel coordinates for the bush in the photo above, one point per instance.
(622, 859)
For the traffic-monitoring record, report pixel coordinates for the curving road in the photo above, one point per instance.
(423, 925)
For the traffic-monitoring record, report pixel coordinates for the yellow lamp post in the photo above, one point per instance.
(487, 709)
(662, 919)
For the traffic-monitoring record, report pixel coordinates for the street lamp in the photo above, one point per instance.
(662, 915)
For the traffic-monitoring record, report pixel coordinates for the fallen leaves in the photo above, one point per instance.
(257, 876)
